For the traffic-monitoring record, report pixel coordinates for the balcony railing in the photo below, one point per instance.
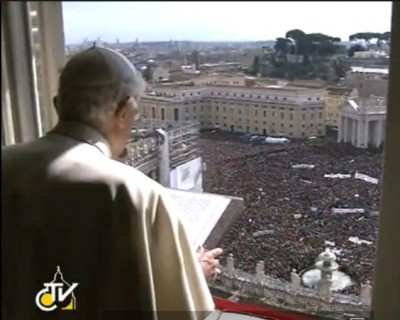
(144, 146)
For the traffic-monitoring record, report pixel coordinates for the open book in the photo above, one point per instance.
(200, 213)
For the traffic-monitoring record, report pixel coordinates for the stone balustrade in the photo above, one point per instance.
(264, 289)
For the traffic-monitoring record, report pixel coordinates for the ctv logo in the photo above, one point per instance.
(57, 294)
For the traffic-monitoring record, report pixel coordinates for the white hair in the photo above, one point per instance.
(94, 103)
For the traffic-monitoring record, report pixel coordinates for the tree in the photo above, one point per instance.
(316, 45)
(319, 45)
(256, 66)
(356, 48)
(295, 34)
(282, 46)
(385, 36)
(368, 36)
(340, 68)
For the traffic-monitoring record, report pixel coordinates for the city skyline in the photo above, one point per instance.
(219, 21)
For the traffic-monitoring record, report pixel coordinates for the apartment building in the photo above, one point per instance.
(335, 99)
(220, 67)
(274, 110)
(368, 81)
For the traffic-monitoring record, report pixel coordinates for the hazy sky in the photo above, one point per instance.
(152, 21)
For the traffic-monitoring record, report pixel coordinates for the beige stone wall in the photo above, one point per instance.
(291, 112)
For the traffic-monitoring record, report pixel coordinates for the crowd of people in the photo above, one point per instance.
(293, 206)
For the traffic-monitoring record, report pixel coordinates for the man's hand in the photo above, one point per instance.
(209, 262)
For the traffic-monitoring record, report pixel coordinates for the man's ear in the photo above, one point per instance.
(121, 112)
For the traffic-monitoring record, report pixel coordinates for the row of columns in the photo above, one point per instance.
(358, 132)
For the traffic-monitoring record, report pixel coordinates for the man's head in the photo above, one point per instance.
(101, 88)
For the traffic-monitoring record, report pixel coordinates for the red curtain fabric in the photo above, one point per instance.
(258, 311)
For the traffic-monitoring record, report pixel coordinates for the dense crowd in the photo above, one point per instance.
(294, 206)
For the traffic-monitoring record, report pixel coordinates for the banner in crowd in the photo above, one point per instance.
(337, 176)
(365, 178)
(357, 240)
(262, 232)
(303, 166)
(357, 175)
(347, 210)
(272, 140)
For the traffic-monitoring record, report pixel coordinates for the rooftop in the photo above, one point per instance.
(317, 84)
(372, 105)
(289, 87)
(370, 70)
(339, 91)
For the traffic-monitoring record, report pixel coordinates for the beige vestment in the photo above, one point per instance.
(109, 227)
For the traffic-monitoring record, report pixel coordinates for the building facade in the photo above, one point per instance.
(363, 122)
(335, 99)
(370, 54)
(287, 111)
(160, 73)
(220, 67)
(368, 81)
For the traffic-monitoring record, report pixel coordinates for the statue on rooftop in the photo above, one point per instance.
(260, 267)
(366, 294)
(295, 281)
(230, 264)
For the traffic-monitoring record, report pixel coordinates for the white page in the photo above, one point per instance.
(199, 213)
